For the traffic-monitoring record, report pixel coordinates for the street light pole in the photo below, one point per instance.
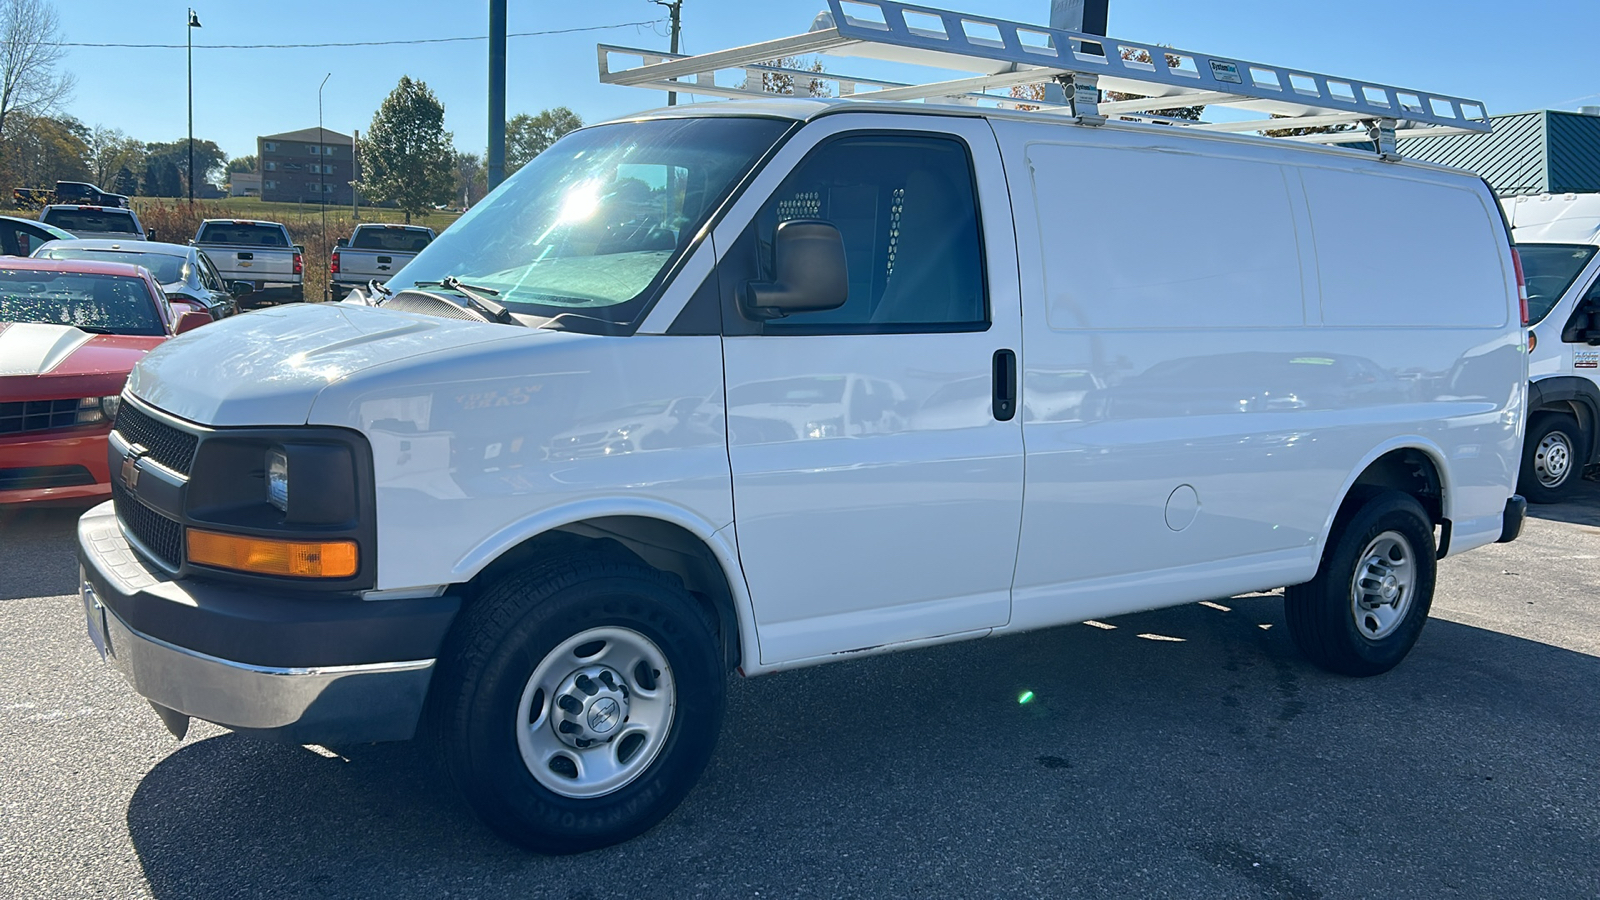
(194, 22)
(322, 179)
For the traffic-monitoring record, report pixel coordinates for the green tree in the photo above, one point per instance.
(243, 164)
(41, 150)
(125, 182)
(472, 179)
(407, 158)
(110, 151)
(209, 163)
(528, 136)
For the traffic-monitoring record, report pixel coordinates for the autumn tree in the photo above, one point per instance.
(111, 151)
(528, 136)
(407, 158)
(783, 83)
(30, 53)
(42, 150)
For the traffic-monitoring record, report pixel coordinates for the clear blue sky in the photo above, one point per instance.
(1529, 55)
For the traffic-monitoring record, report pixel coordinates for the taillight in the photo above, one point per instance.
(1522, 285)
(297, 269)
(333, 263)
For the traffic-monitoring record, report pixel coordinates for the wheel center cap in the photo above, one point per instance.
(590, 706)
(1391, 588)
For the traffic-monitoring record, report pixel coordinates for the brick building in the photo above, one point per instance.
(297, 166)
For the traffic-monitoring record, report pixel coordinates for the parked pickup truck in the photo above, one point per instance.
(95, 221)
(66, 192)
(258, 252)
(374, 253)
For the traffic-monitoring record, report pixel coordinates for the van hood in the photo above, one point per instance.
(267, 367)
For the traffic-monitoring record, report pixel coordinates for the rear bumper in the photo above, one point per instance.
(299, 669)
(1513, 518)
(23, 456)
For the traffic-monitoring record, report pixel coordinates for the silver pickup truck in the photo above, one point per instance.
(261, 253)
(374, 252)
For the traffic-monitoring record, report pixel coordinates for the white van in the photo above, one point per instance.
(1261, 364)
(1558, 240)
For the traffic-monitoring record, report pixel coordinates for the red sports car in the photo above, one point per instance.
(70, 332)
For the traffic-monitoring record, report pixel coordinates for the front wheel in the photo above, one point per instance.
(1365, 609)
(1551, 458)
(579, 702)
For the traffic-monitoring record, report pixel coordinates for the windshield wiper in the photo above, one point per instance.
(476, 299)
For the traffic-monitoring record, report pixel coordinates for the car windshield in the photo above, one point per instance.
(592, 224)
(101, 221)
(106, 304)
(242, 233)
(1548, 270)
(166, 269)
(395, 240)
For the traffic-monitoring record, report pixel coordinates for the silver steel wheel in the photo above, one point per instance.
(1380, 591)
(1552, 459)
(596, 711)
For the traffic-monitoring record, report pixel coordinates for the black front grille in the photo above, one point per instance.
(159, 534)
(36, 477)
(164, 444)
(37, 415)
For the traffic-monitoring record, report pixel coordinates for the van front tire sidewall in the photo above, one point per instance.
(505, 634)
(1319, 613)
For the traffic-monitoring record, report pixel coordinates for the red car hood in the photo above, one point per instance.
(44, 362)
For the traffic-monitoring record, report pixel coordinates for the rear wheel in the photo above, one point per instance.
(1552, 456)
(579, 702)
(1365, 609)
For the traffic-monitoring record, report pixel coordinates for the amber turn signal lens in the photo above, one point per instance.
(264, 556)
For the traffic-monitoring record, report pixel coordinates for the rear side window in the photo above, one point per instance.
(906, 207)
(394, 240)
(1549, 269)
(242, 233)
(92, 220)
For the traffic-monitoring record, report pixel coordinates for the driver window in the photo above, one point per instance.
(906, 207)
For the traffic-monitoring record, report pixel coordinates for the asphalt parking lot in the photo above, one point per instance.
(1182, 753)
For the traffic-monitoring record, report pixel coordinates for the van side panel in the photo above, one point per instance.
(1215, 421)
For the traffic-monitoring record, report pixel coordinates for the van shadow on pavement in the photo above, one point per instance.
(38, 550)
(1582, 509)
(1187, 752)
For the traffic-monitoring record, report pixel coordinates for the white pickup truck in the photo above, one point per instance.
(260, 253)
(744, 387)
(374, 252)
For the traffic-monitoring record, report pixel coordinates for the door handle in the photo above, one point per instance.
(1005, 385)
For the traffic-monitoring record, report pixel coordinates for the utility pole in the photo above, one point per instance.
(188, 33)
(497, 93)
(322, 179)
(674, 12)
(355, 175)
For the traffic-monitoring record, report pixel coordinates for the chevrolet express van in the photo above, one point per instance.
(692, 394)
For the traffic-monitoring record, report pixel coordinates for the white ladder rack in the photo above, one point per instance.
(1002, 54)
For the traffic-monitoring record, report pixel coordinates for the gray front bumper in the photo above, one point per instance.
(302, 705)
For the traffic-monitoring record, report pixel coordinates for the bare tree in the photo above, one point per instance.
(109, 151)
(30, 53)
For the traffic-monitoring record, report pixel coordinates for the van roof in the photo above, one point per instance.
(1555, 218)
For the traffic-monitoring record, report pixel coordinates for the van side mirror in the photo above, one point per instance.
(191, 320)
(812, 274)
(1584, 326)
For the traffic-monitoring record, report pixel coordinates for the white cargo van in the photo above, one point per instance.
(742, 387)
(1558, 237)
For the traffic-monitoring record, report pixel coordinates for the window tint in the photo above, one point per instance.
(1548, 270)
(92, 221)
(906, 208)
(243, 233)
(396, 240)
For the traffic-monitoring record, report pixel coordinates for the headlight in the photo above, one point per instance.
(278, 479)
(97, 409)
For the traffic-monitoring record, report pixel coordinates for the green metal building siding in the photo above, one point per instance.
(1546, 152)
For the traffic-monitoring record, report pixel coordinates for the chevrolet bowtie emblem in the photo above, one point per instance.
(130, 469)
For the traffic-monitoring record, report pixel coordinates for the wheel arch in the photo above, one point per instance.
(1412, 465)
(659, 535)
(1577, 397)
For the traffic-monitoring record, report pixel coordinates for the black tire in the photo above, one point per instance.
(1321, 613)
(498, 643)
(1550, 433)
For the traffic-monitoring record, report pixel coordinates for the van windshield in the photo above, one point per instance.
(592, 224)
(1548, 270)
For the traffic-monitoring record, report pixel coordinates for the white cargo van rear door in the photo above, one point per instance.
(877, 482)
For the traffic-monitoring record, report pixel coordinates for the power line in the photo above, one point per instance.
(448, 40)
